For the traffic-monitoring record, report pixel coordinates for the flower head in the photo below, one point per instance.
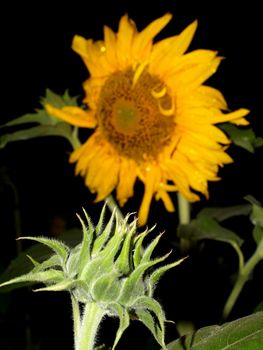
(153, 117)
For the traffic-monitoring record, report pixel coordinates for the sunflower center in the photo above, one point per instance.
(136, 114)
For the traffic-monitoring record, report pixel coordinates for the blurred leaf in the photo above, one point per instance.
(47, 125)
(221, 214)
(258, 142)
(22, 264)
(60, 129)
(258, 234)
(243, 334)
(57, 100)
(256, 216)
(259, 307)
(204, 227)
(244, 138)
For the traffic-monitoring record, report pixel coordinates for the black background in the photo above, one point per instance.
(36, 54)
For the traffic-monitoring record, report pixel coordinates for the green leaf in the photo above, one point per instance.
(258, 234)
(244, 138)
(57, 100)
(258, 142)
(243, 334)
(60, 129)
(256, 216)
(223, 213)
(47, 125)
(205, 227)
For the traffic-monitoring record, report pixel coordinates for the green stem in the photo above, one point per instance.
(184, 219)
(243, 276)
(76, 319)
(114, 206)
(90, 322)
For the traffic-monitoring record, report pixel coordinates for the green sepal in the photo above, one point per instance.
(134, 283)
(87, 239)
(137, 254)
(106, 288)
(49, 276)
(123, 263)
(53, 261)
(57, 246)
(124, 321)
(148, 311)
(58, 287)
(150, 248)
(103, 235)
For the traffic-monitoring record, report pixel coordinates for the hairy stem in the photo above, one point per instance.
(89, 326)
(76, 320)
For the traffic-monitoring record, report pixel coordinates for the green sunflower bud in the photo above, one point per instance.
(109, 272)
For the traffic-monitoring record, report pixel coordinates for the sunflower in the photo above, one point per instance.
(154, 119)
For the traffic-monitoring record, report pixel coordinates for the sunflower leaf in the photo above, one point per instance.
(60, 129)
(47, 125)
(244, 138)
(243, 333)
(223, 213)
(204, 227)
(57, 100)
(256, 216)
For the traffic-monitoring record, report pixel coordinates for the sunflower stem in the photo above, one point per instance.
(92, 317)
(76, 320)
(184, 219)
(242, 278)
(112, 205)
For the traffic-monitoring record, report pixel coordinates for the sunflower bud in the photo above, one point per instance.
(109, 272)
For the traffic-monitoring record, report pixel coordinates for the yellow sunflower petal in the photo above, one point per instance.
(164, 196)
(102, 175)
(110, 44)
(127, 178)
(151, 180)
(125, 36)
(142, 43)
(73, 115)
